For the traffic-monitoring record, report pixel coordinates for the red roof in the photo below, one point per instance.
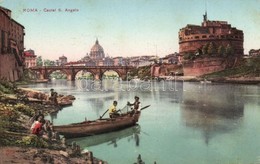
(28, 54)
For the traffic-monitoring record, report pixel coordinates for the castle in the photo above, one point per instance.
(194, 38)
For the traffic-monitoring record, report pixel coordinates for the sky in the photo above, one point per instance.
(124, 27)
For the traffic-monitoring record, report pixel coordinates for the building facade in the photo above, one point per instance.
(193, 37)
(62, 60)
(11, 46)
(254, 53)
(29, 58)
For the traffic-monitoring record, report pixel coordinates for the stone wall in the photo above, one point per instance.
(165, 70)
(9, 68)
(200, 67)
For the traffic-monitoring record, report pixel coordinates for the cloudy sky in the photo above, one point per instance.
(124, 27)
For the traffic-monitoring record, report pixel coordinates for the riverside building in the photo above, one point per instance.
(11, 46)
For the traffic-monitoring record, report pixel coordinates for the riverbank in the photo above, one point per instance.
(40, 155)
(232, 80)
(18, 145)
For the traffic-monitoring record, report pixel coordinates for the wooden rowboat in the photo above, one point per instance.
(88, 128)
(108, 138)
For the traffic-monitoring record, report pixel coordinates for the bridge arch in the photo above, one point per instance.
(49, 72)
(71, 71)
(110, 70)
(86, 70)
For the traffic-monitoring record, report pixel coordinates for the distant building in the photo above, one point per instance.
(62, 60)
(78, 63)
(88, 61)
(192, 38)
(29, 58)
(254, 53)
(141, 61)
(11, 46)
(118, 61)
(171, 59)
(97, 52)
(107, 61)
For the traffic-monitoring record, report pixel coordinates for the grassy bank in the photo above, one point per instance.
(18, 145)
(247, 68)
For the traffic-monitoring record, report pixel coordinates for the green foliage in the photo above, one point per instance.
(39, 61)
(198, 52)
(212, 49)
(48, 62)
(221, 50)
(188, 56)
(58, 75)
(25, 109)
(229, 50)
(243, 70)
(2, 125)
(7, 87)
(142, 72)
(33, 141)
(205, 49)
(8, 112)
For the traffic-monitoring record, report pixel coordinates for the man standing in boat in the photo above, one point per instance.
(136, 105)
(112, 110)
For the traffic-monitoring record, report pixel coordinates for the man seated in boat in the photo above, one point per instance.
(136, 105)
(113, 113)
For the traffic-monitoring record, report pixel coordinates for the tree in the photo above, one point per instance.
(212, 49)
(229, 50)
(221, 50)
(205, 49)
(39, 61)
(48, 62)
(198, 52)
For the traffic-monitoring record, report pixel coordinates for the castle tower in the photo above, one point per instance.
(193, 37)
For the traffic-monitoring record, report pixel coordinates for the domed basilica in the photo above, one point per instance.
(97, 52)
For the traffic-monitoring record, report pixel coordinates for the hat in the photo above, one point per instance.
(115, 102)
(136, 97)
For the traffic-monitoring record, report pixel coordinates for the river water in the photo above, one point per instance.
(186, 123)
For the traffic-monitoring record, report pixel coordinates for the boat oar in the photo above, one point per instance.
(145, 107)
(103, 114)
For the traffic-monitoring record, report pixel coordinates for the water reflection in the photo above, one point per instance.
(132, 134)
(212, 110)
(209, 118)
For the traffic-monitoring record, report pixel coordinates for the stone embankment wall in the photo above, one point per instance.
(9, 68)
(204, 66)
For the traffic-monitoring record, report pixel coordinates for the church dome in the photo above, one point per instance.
(97, 51)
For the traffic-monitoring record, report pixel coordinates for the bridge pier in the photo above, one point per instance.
(42, 77)
(69, 78)
(97, 77)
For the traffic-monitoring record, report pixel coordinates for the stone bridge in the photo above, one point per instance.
(71, 71)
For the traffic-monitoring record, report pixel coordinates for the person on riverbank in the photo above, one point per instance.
(136, 104)
(53, 97)
(35, 117)
(48, 129)
(112, 110)
(36, 127)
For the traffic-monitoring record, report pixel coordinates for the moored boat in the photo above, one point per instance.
(88, 128)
